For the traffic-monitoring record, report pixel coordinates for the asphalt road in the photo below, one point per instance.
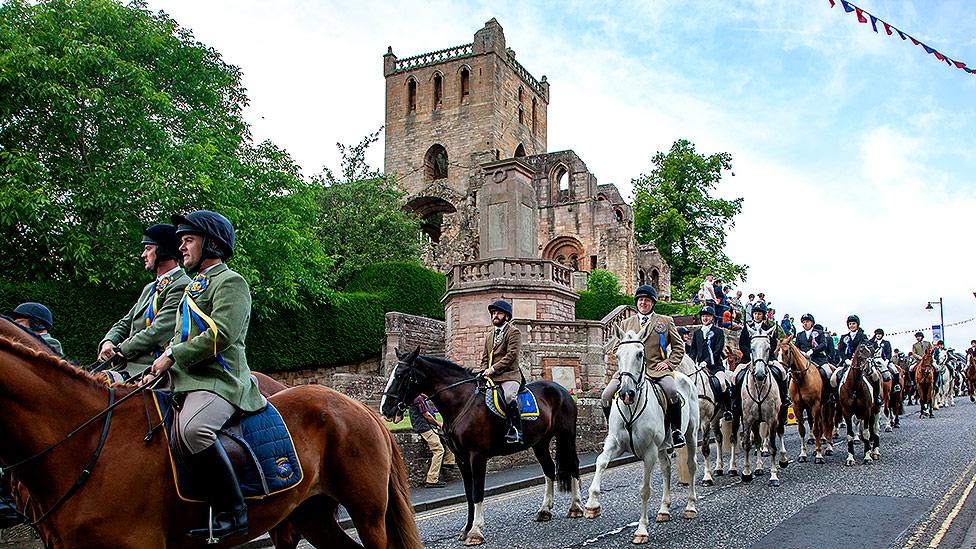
(917, 495)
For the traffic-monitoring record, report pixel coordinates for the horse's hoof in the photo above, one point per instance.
(639, 539)
(888, 429)
(828, 452)
(759, 472)
(733, 473)
(850, 462)
(774, 482)
(746, 478)
(764, 453)
(801, 459)
(717, 472)
(574, 513)
(818, 460)
(708, 482)
(783, 464)
(474, 540)
(811, 441)
(592, 513)
(689, 514)
(543, 516)
(682, 483)
(875, 455)
(662, 517)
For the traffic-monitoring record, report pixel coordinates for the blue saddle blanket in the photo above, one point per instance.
(259, 445)
(527, 401)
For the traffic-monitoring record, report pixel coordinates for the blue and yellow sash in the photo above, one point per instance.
(153, 308)
(190, 310)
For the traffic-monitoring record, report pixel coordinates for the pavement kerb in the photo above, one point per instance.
(535, 480)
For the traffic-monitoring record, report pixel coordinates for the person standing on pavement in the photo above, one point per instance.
(423, 422)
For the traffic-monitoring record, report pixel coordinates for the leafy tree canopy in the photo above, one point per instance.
(361, 219)
(603, 282)
(113, 117)
(676, 209)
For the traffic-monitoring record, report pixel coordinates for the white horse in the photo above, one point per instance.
(761, 403)
(943, 380)
(710, 416)
(637, 424)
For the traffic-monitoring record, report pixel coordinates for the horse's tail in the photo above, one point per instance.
(401, 528)
(567, 460)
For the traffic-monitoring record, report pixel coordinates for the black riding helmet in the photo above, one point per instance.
(879, 331)
(38, 315)
(807, 316)
(760, 307)
(919, 334)
(854, 318)
(213, 226)
(503, 306)
(707, 310)
(646, 290)
(163, 236)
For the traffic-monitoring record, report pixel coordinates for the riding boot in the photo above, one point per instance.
(737, 397)
(876, 387)
(514, 413)
(223, 493)
(726, 397)
(674, 423)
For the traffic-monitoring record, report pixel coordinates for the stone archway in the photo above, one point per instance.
(431, 210)
(565, 250)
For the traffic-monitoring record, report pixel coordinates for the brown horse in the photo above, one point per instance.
(856, 402)
(808, 393)
(48, 440)
(925, 384)
(894, 400)
(971, 376)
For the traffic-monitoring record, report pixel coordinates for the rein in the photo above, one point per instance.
(629, 424)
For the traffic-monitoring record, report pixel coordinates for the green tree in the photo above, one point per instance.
(113, 117)
(676, 209)
(602, 282)
(361, 218)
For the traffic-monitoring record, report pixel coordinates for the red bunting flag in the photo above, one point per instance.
(831, 3)
(860, 15)
(887, 28)
(916, 42)
(959, 64)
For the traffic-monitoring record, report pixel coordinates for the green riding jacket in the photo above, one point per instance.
(208, 347)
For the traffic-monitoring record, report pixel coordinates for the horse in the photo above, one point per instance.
(970, 376)
(761, 403)
(637, 424)
(856, 401)
(474, 434)
(893, 400)
(943, 382)
(808, 391)
(909, 388)
(925, 384)
(55, 419)
(710, 415)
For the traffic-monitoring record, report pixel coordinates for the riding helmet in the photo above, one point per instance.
(707, 310)
(35, 312)
(163, 236)
(919, 334)
(854, 318)
(807, 316)
(682, 330)
(759, 307)
(646, 290)
(878, 331)
(212, 226)
(501, 305)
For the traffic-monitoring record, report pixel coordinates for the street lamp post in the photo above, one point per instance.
(928, 307)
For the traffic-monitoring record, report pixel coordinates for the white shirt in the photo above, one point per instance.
(167, 273)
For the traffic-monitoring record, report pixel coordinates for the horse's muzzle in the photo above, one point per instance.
(628, 397)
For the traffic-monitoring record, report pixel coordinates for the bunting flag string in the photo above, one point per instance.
(930, 329)
(863, 16)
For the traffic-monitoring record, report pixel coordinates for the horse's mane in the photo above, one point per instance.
(45, 355)
(445, 363)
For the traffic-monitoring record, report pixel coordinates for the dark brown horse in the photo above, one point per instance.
(474, 434)
(971, 376)
(925, 384)
(856, 401)
(808, 393)
(45, 400)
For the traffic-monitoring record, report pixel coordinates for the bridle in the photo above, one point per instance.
(759, 398)
(639, 382)
(415, 377)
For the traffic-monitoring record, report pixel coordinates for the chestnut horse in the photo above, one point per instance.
(856, 401)
(971, 376)
(56, 420)
(808, 393)
(925, 384)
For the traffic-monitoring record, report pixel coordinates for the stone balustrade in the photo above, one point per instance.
(509, 271)
(434, 57)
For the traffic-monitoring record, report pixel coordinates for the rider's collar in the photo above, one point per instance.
(167, 273)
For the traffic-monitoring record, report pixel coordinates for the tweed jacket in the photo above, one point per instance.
(212, 357)
(919, 349)
(503, 356)
(139, 342)
(674, 347)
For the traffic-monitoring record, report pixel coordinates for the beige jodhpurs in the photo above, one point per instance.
(197, 422)
(509, 390)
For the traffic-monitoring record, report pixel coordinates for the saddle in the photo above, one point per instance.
(528, 404)
(259, 447)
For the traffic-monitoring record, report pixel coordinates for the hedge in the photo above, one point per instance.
(595, 306)
(349, 328)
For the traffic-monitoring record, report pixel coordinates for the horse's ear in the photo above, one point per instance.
(618, 333)
(414, 354)
(396, 351)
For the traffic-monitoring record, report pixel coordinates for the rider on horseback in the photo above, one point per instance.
(663, 351)
(885, 347)
(142, 334)
(756, 323)
(813, 343)
(500, 363)
(38, 319)
(920, 347)
(708, 351)
(849, 343)
(208, 372)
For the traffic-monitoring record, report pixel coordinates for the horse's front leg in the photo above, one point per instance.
(733, 444)
(875, 439)
(774, 432)
(850, 440)
(746, 441)
(641, 535)
(464, 464)
(720, 442)
(610, 451)
(802, 430)
(706, 450)
(691, 511)
(664, 462)
(479, 466)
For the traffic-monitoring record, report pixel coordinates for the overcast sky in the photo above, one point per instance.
(852, 149)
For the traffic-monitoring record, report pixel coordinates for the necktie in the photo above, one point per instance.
(644, 319)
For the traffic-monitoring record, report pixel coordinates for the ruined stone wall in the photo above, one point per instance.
(649, 260)
(406, 333)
